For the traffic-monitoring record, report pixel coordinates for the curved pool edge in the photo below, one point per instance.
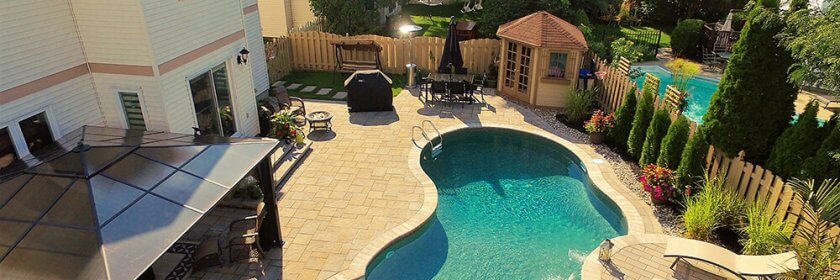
(592, 163)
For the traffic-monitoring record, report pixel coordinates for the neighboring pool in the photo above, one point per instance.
(700, 90)
(511, 205)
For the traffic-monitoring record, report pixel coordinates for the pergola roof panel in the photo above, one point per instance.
(150, 225)
(123, 193)
(139, 172)
(191, 191)
(111, 197)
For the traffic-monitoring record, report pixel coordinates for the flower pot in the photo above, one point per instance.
(299, 138)
(597, 137)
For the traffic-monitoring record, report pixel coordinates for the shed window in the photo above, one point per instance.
(557, 65)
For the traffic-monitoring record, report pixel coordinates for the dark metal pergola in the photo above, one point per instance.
(105, 203)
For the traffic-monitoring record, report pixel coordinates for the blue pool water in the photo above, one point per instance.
(511, 205)
(700, 90)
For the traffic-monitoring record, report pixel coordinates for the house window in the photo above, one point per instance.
(8, 155)
(557, 65)
(36, 132)
(212, 101)
(133, 112)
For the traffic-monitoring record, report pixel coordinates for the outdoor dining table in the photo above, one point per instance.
(446, 77)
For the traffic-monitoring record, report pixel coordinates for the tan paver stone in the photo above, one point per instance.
(361, 187)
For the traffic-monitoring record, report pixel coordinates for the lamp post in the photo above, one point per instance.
(409, 29)
(605, 251)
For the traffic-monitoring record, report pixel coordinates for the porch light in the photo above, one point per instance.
(604, 254)
(242, 58)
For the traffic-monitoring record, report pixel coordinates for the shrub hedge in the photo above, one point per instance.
(674, 143)
(693, 161)
(653, 138)
(798, 143)
(641, 121)
(685, 39)
(624, 119)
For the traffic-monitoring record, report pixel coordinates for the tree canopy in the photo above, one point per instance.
(350, 16)
(754, 101)
(813, 39)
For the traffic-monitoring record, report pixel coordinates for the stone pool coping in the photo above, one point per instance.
(603, 178)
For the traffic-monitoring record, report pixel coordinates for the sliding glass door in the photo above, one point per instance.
(212, 102)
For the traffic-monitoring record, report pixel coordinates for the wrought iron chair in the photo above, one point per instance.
(458, 92)
(250, 238)
(438, 90)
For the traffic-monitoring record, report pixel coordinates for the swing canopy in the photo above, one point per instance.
(356, 55)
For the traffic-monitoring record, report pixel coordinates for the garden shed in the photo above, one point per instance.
(541, 56)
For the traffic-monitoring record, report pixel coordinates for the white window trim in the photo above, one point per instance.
(16, 133)
(231, 89)
(123, 117)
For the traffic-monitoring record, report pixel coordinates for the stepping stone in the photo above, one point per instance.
(308, 89)
(294, 86)
(324, 91)
(340, 95)
(278, 83)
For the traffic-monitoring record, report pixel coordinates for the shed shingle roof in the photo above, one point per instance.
(542, 29)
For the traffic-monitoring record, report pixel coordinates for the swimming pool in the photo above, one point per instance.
(511, 205)
(700, 90)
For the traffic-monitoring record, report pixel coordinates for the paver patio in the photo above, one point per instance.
(356, 185)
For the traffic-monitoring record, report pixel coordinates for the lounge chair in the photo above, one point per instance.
(739, 265)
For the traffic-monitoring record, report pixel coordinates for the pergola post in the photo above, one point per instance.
(270, 230)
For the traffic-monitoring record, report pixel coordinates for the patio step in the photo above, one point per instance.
(284, 168)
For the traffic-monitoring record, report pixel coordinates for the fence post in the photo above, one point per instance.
(658, 40)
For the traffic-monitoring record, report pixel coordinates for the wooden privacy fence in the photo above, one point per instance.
(755, 184)
(612, 84)
(278, 58)
(313, 51)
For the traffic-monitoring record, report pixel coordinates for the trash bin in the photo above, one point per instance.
(411, 68)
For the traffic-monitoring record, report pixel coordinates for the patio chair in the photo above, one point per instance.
(478, 85)
(250, 237)
(298, 109)
(458, 92)
(739, 265)
(437, 90)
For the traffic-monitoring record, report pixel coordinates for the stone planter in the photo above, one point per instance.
(597, 137)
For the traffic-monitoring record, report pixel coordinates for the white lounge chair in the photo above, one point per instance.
(739, 265)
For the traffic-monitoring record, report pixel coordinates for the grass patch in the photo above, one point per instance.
(435, 20)
(606, 31)
(330, 80)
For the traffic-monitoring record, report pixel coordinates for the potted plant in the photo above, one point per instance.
(658, 182)
(283, 126)
(598, 126)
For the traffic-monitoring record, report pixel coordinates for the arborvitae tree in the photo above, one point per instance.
(641, 121)
(624, 119)
(754, 101)
(653, 138)
(797, 143)
(693, 162)
(826, 163)
(674, 143)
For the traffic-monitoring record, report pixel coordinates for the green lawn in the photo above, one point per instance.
(612, 31)
(435, 20)
(330, 80)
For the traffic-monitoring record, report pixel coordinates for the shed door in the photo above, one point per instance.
(517, 67)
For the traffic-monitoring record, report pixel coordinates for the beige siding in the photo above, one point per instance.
(177, 27)
(178, 101)
(301, 12)
(37, 38)
(148, 88)
(275, 18)
(259, 68)
(70, 105)
(113, 31)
